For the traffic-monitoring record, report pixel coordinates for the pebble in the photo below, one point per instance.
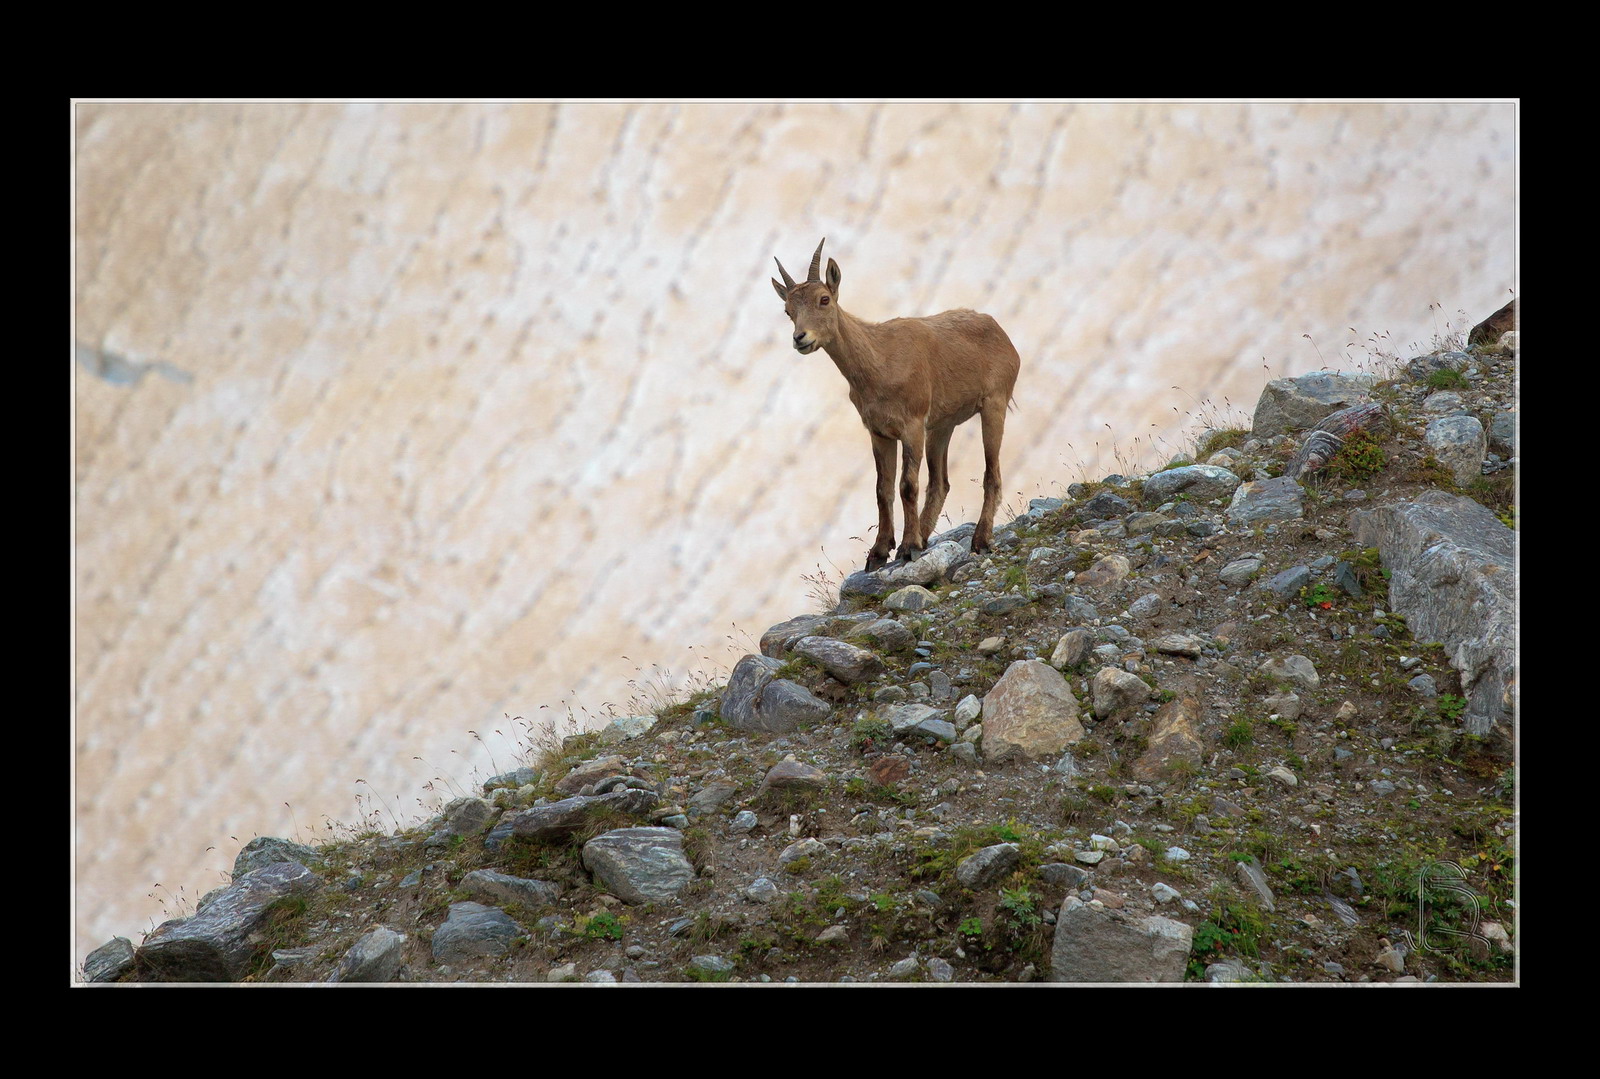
(903, 969)
(762, 890)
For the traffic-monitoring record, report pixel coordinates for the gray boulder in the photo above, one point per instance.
(1459, 443)
(847, 662)
(110, 961)
(906, 717)
(1286, 586)
(503, 888)
(1299, 403)
(710, 798)
(1295, 670)
(1071, 650)
(933, 565)
(472, 930)
(626, 728)
(913, 597)
(639, 865)
(219, 943)
(1503, 433)
(984, 867)
(1254, 880)
(757, 701)
(884, 634)
(1199, 482)
(1262, 501)
(862, 583)
(466, 816)
(376, 957)
(1109, 946)
(778, 640)
(1452, 570)
(265, 850)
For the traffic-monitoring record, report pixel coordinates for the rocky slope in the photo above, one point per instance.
(1247, 719)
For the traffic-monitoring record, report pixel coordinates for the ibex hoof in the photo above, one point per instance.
(876, 561)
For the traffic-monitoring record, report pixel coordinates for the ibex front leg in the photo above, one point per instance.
(883, 457)
(912, 541)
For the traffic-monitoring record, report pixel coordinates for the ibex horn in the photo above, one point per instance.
(788, 282)
(816, 263)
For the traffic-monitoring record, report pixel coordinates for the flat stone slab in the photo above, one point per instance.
(570, 814)
(639, 865)
(1110, 946)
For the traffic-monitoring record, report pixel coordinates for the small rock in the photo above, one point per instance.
(911, 598)
(711, 964)
(794, 775)
(1106, 571)
(1071, 650)
(886, 771)
(1294, 669)
(762, 890)
(471, 930)
(805, 848)
(988, 865)
(1239, 572)
(1392, 957)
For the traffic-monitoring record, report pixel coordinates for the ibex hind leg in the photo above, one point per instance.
(994, 426)
(938, 480)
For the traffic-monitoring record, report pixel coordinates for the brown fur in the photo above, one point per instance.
(1489, 330)
(912, 380)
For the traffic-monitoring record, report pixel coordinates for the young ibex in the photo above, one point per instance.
(912, 380)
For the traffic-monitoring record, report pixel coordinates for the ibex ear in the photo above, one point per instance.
(833, 278)
(783, 293)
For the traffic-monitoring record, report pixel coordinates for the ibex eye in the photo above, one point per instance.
(823, 301)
